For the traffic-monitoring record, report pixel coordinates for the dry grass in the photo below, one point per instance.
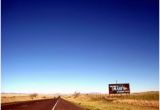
(11, 97)
(140, 101)
(152, 103)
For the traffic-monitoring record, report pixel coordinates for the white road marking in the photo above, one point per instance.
(55, 105)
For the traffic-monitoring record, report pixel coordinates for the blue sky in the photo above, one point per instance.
(79, 45)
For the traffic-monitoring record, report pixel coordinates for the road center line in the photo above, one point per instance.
(55, 105)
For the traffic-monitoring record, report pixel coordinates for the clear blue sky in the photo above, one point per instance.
(79, 45)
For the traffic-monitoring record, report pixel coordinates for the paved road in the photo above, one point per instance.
(48, 104)
(62, 104)
(31, 105)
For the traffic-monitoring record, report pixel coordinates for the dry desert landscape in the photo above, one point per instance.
(95, 101)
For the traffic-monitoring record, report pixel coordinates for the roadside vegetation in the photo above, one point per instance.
(137, 101)
(18, 97)
(34, 95)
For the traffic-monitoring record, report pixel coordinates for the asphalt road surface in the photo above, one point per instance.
(62, 104)
(48, 104)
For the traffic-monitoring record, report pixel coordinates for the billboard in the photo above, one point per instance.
(119, 88)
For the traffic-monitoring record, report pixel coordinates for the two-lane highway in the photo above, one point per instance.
(48, 104)
(62, 104)
(31, 105)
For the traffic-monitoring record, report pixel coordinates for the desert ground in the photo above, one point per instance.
(96, 101)
(19, 97)
(134, 101)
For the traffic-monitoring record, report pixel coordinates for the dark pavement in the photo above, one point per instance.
(31, 105)
(47, 104)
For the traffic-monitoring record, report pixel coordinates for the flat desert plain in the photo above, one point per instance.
(96, 101)
(18, 97)
(134, 101)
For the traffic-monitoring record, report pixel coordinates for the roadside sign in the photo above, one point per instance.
(119, 88)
